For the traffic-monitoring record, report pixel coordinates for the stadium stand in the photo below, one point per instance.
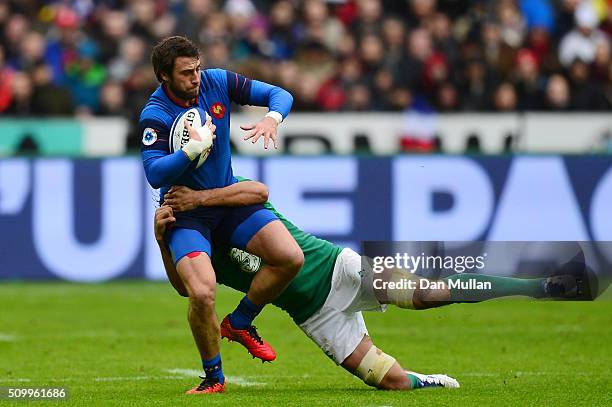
(90, 58)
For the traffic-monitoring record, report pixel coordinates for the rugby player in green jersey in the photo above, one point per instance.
(327, 296)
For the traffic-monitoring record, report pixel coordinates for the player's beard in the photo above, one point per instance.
(181, 94)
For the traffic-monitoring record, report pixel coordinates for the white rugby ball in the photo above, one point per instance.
(179, 135)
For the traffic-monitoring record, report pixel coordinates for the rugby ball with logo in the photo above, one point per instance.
(179, 135)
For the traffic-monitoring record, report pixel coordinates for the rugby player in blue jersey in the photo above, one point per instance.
(176, 62)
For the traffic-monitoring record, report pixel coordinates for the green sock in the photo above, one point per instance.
(414, 381)
(500, 287)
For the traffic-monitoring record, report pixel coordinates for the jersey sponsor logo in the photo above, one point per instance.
(217, 110)
(247, 262)
(149, 136)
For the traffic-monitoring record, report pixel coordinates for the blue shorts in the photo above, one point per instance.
(231, 226)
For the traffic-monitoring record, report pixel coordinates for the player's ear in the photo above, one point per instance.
(164, 76)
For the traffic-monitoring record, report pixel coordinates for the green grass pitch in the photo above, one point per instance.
(128, 344)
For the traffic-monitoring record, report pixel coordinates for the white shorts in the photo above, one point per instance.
(338, 327)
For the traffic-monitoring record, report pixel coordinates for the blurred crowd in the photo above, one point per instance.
(89, 57)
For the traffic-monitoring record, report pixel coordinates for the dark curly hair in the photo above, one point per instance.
(167, 50)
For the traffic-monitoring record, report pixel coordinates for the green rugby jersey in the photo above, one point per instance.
(306, 293)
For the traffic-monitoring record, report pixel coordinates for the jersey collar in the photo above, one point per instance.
(177, 101)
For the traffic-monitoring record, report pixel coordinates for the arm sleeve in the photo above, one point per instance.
(245, 91)
(161, 168)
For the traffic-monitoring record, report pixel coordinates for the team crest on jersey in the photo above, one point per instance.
(217, 110)
(247, 262)
(149, 136)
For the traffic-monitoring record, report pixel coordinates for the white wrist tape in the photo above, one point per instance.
(374, 366)
(194, 148)
(276, 116)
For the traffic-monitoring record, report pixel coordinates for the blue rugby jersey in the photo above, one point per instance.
(218, 88)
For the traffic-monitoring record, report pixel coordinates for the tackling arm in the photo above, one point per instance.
(238, 194)
(164, 218)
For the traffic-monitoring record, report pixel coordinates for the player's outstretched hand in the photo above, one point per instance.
(266, 127)
(164, 219)
(182, 198)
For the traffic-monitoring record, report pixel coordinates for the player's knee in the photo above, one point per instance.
(202, 296)
(296, 260)
(375, 367)
(290, 261)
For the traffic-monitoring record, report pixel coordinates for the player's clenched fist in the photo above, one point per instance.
(266, 127)
(164, 219)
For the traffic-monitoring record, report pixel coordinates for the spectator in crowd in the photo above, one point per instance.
(529, 85)
(384, 84)
(21, 101)
(145, 19)
(215, 29)
(601, 64)
(394, 37)
(48, 98)
(6, 78)
(5, 12)
(32, 51)
(132, 53)
(284, 31)
(320, 26)
(512, 24)
(289, 76)
(359, 98)
(401, 99)
(440, 27)
(566, 12)
(84, 77)
(447, 98)
(421, 10)
(505, 99)
(369, 18)
(194, 18)
(557, 94)
(499, 56)
(477, 86)
(371, 53)
(420, 50)
(112, 100)
(16, 28)
(582, 41)
(64, 37)
(586, 95)
(111, 30)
